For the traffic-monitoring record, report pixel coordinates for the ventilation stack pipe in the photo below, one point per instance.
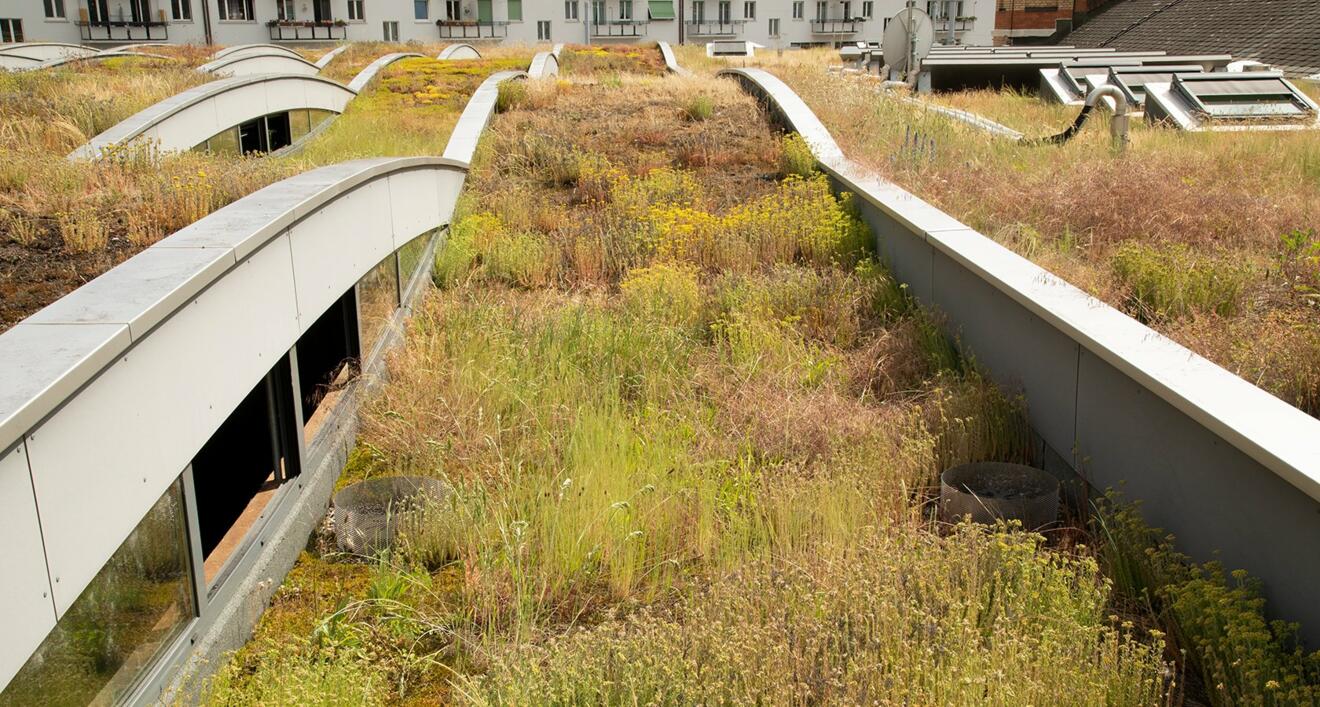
(1118, 125)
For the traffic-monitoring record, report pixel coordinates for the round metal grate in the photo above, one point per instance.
(368, 514)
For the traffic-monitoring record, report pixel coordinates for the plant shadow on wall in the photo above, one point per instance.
(692, 429)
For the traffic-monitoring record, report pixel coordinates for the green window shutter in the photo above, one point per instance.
(515, 10)
(661, 9)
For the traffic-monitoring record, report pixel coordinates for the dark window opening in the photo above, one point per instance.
(238, 470)
(327, 359)
(11, 30)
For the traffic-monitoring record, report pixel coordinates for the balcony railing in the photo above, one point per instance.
(960, 24)
(469, 29)
(835, 26)
(715, 29)
(123, 30)
(294, 31)
(619, 28)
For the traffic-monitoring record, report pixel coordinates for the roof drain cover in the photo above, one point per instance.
(368, 514)
(991, 491)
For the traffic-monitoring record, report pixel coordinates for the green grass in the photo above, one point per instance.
(693, 430)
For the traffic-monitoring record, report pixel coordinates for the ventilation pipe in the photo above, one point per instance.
(1118, 125)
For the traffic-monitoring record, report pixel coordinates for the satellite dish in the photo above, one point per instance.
(908, 38)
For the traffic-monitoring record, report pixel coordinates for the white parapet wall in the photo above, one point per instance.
(459, 51)
(144, 363)
(254, 63)
(188, 118)
(367, 75)
(244, 49)
(1233, 471)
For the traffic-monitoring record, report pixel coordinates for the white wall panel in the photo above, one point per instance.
(361, 237)
(27, 613)
(414, 203)
(142, 421)
(187, 128)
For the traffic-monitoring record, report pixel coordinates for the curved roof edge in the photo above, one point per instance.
(1276, 435)
(48, 357)
(153, 115)
(671, 61)
(53, 63)
(467, 131)
(367, 75)
(330, 56)
(459, 51)
(245, 48)
(215, 65)
(543, 64)
(23, 49)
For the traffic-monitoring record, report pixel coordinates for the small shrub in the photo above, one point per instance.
(663, 293)
(795, 158)
(512, 93)
(1172, 281)
(699, 108)
(1217, 617)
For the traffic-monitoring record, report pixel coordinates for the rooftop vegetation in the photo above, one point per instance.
(1211, 238)
(63, 223)
(692, 429)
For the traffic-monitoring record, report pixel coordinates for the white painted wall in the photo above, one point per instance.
(792, 31)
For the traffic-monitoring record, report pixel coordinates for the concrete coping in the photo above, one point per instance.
(216, 65)
(367, 75)
(330, 56)
(458, 51)
(1277, 435)
(21, 48)
(246, 48)
(63, 61)
(560, 47)
(48, 357)
(543, 64)
(145, 119)
(671, 61)
(476, 114)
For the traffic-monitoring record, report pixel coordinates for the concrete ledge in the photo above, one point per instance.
(367, 75)
(1221, 463)
(671, 61)
(467, 131)
(459, 51)
(543, 64)
(65, 61)
(241, 49)
(43, 51)
(185, 119)
(253, 63)
(330, 56)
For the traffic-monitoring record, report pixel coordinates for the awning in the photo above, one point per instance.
(661, 9)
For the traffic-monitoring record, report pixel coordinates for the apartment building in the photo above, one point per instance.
(771, 23)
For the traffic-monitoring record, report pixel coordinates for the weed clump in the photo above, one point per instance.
(1216, 617)
(1172, 281)
(795, 158)
(699, 108)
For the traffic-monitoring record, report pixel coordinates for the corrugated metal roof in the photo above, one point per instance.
(1285, 33)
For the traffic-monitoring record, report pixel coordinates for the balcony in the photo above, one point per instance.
(960, 24)
(295, 31)
(619, 28)
(836, 26)
(123, 30)
(472, 29)
(715, 29)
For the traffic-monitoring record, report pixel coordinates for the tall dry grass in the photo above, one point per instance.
(692, 430)
(1113, 225)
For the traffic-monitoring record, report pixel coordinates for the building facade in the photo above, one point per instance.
(1040, 21)
(770, 23)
